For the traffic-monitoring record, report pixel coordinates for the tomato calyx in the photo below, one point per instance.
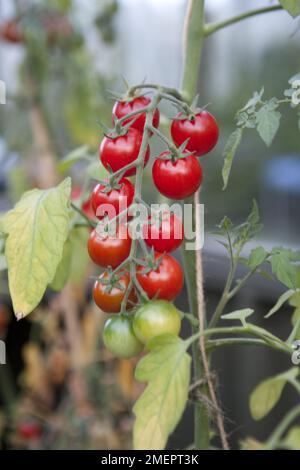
(112, 183)
(111, 280)
(151, 262)
(119, 130)
(194, 109)
(174, 153)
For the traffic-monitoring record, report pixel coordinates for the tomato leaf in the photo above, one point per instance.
(80, 153)
(229, 152)
(267, 394)
(268, 120)
(63, 269)
(291, 6)
(249, 228)
(257, 257)
(239, 315)
(282, 299)
(37, 229)
(282, 267)
(167, 370)
(292, 439)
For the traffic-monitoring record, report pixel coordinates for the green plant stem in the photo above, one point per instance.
(83, 215)
(251, 330)
(229, 293)
(282, 427)
(139, 163)
(193, 42)
(213, 27)
(163, 89)
(225, 296)
(165, 139)
(219, 343)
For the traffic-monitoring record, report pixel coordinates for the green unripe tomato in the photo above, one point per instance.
(156, 318)
(119, 337)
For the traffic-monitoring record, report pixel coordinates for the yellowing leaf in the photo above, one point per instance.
(158, 410)
(292, 440)
(292, 6)
(266, 395)
(37, 229)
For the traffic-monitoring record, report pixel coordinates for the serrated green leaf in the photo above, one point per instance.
(292, 439)
(37, 229)
(267, 122)
(80, 153)
(96, 171)
(282, 299)
(226, 224)
(254, 100)
(282, 268)
(291, 6)
(248, 229)
(158, 410)
(229, 152)
(80, 260)
(63, 270)
(257, 256)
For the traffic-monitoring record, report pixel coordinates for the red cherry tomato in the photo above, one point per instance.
(29, 430)
(202, 132)
(177, 179)
(109, 250)
(120, 198)
(115, 153)
(109, 298)
(164, 235)
(122, 108)
(11, 32)
(165, 282)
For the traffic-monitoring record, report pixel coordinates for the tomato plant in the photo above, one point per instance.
(119, 337)
(177, 178)
(46, 232)
(200, 131)
(124, 108)
(108, 293)
(162, 278)
(156, 318)
(109, 249)
(119, 196)
(165, 233)
(117, 152)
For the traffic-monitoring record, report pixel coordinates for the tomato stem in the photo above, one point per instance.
(90, 222)
(213, 27)
(193, 42)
